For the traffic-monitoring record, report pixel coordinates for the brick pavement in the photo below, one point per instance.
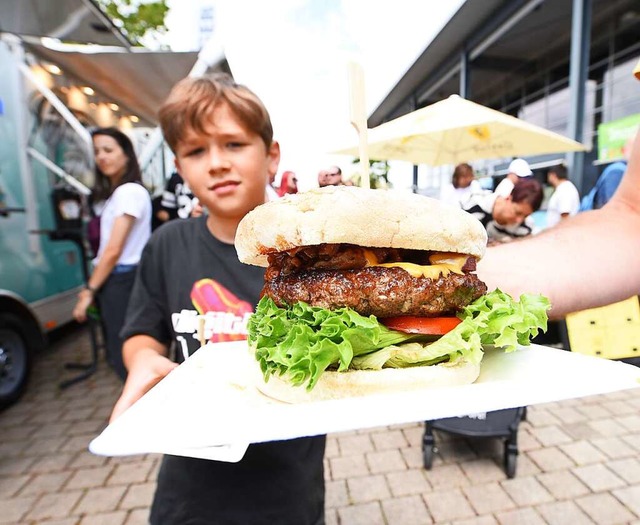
(579, 463)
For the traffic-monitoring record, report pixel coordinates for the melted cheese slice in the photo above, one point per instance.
(441, 264)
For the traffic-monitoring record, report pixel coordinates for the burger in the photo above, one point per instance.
(371, 291)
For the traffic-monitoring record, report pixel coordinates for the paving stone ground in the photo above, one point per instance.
(579, 462)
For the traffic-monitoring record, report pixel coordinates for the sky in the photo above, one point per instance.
(294, 55)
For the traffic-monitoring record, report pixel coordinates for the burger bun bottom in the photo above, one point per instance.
(352, 383)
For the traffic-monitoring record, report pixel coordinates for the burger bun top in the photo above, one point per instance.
(363, 217)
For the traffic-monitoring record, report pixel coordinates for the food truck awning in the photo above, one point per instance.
(136, 79)
(67, 20)
(77, 37)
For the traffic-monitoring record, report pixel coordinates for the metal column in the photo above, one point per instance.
(465, 80)
(580, 42)
(414, 186)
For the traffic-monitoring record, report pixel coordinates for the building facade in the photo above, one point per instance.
(564, 65)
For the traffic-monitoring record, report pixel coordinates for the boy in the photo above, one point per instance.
(221, 135)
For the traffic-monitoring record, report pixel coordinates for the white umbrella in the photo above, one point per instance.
(456, 130)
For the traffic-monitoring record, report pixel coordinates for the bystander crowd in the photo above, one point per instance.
(507, 218)
(330, 177)
(588, 260)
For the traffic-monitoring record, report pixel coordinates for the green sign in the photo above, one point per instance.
(612, 136)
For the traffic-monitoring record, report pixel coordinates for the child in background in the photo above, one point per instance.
(222, 138)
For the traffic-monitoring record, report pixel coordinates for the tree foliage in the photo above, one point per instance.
(137, 18)
(378, 174)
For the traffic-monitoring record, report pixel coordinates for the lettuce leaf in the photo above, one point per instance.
(303, 341)
(400, 356)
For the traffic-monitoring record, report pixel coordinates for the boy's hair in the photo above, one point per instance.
(102, 188)
(560, 171)
(528, 190)
(193, 101)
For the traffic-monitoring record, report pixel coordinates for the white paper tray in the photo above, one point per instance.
(209, 406)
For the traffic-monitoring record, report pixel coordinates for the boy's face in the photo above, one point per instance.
(228, 167)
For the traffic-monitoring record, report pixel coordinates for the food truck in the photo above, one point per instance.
(51, 94)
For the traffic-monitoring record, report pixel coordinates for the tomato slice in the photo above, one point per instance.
(421, 325)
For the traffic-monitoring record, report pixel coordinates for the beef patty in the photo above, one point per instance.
(381, 291)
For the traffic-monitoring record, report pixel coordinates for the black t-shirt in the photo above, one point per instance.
(184, 272)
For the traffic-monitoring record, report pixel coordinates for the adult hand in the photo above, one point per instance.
(146, 370)
(85, 298)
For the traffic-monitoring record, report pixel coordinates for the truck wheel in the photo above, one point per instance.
(15, 359)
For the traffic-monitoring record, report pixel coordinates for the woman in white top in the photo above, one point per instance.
(463, 185)
(125, 228)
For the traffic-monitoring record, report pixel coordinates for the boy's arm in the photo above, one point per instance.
(147, 363)
(588, 260)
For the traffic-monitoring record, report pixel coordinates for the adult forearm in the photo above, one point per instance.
(103, 269)
(586, 261)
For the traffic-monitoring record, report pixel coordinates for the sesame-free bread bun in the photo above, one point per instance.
(352, 383)
(364, 217)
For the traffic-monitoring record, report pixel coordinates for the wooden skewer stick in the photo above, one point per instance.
(201, 337)
(358, 118)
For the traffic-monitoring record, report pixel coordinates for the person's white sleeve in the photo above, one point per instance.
(505, 188)
(531, 223)
(448, 195)
(476, 187)
(130, 199)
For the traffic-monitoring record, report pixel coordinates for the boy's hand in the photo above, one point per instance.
(146, 370)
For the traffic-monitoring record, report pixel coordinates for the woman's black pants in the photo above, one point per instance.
(113, 300)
